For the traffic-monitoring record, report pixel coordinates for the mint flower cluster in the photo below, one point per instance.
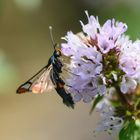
(105, 70)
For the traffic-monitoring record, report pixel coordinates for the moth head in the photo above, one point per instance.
(57, 52)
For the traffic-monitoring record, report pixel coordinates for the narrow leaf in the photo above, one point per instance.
(95, 102)
(130, 131)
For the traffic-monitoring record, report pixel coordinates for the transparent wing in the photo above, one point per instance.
(43, 83)
(39, 83)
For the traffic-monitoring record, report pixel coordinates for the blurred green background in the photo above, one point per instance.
(25, 47)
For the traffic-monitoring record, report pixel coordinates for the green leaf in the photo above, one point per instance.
(95, 102)
(130, 131)
(115, 103)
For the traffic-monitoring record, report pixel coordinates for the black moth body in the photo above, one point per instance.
(49, 78)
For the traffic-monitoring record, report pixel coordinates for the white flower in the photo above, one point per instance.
(113, 29)
(127, 85)
(73, 45)
(109, 122)
(109, 33)
(129, 58)
(92, 27)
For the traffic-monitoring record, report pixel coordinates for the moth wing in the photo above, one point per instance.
(43, 83)
(39, 83)
(24, 88)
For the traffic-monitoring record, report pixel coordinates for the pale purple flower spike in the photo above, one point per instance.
(93, 70)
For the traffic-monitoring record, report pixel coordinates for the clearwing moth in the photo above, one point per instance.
(49, 78)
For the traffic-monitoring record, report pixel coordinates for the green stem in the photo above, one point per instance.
(123, 99)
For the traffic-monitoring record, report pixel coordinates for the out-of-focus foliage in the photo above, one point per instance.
(30, 5)
(8, 74)
(130, 131)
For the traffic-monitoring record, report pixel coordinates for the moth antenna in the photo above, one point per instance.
(52, 39)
